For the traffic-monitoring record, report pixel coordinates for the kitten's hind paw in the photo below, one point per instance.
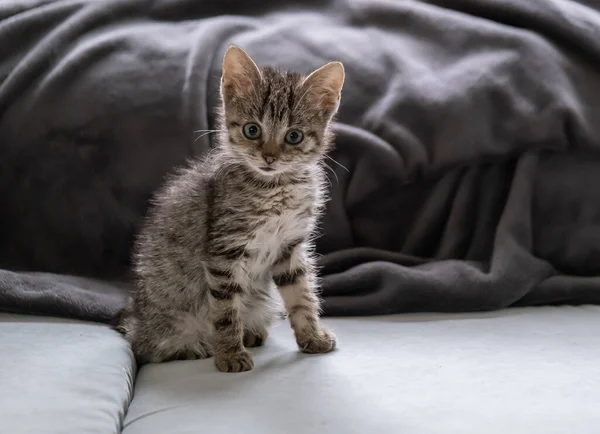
(237, 362)
(323, 341)
(252, 339)
(188, 354)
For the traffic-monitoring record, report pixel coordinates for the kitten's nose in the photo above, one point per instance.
(269, 158)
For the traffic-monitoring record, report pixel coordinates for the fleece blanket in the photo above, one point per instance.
(467, 160)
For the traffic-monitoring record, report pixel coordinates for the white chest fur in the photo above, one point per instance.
(268, 239)
(287, 220)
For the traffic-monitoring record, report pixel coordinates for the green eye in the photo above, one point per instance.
(251, 131)
(293, 137)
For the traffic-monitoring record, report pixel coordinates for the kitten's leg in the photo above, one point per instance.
(157, 338)
(157, 330)
(226, 305)
(297, 281)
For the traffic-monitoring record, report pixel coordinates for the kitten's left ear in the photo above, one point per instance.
(240, 74)
(324, 87)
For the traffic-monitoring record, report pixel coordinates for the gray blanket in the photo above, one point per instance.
(469, 136)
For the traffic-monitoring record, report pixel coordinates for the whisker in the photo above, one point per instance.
(328, 178)
(209, 153)
(206, 131)
(204, 134)
(338, 163)
(334, 174)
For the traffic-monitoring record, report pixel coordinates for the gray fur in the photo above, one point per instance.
(226, 241)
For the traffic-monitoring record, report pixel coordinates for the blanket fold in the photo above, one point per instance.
(466, 169)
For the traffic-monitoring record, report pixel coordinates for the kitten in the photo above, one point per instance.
(227, 233)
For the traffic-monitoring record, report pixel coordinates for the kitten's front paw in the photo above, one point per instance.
(323, 341)
(237, 362)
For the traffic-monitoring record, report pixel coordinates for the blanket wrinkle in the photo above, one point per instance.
(468, 144)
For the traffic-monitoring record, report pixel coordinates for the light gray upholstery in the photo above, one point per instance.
(521, 371)
(61, 376)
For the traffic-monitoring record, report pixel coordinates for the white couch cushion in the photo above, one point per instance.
(519, 371)
(61, 376)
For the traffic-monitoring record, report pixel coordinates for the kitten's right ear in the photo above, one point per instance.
(240, 74)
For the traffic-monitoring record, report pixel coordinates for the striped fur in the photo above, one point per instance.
(226, 240)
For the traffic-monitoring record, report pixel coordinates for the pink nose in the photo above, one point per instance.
(269, 159)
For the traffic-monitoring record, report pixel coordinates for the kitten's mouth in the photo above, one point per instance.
(267, 169)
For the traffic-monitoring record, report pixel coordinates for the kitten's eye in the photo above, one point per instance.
(293, 137)
(251, 131)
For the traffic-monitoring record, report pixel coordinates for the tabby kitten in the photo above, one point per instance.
(229, 232)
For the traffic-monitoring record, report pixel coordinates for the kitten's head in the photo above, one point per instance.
(277, 122)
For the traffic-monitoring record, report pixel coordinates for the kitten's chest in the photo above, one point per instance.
(286, 219)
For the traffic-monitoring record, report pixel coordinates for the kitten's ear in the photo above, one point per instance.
(324, 87)
(240, 74)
